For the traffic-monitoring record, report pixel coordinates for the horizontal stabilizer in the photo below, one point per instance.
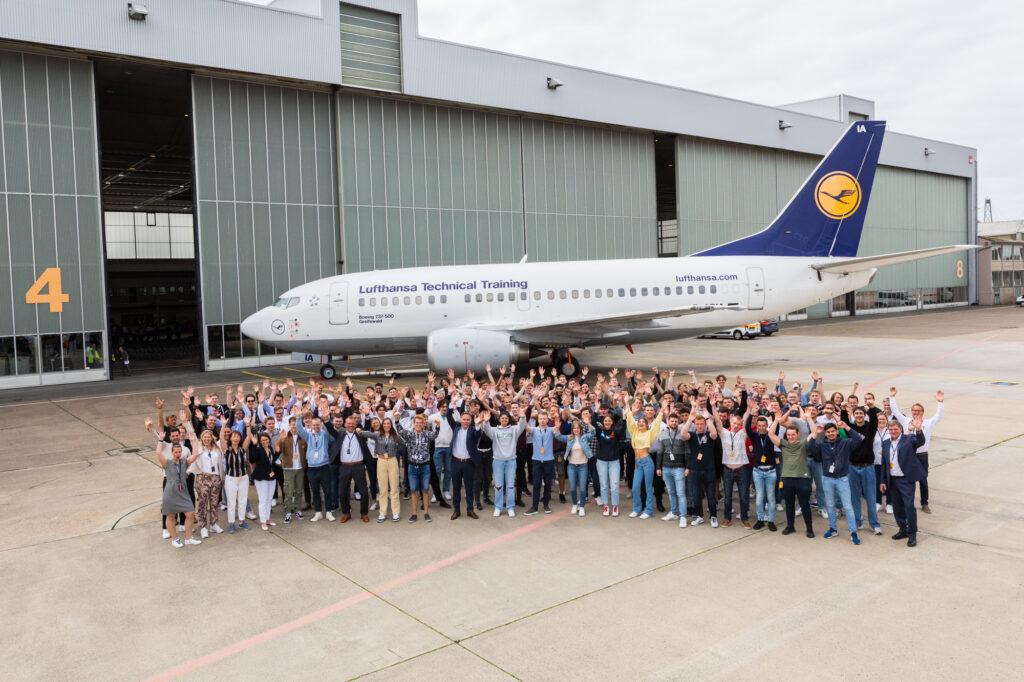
(848, 265)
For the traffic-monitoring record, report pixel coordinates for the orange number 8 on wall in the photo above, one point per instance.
(55, 296)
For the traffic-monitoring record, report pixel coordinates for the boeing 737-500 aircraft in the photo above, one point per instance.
(469, 316)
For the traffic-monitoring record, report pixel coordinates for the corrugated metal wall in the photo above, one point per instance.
(429, 185)
(726, 191)
(265, 194)
(371, 54)
(589, 192)
(49, 211)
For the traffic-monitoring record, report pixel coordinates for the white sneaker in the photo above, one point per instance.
(878, 507)
(878, 530)
(575, 508)
(193, 541)
(217, 529)
(599, 501)
(511, 512)
(697, 520)
(714, 522)
(250, 516)
(633, 515)
(167, 534)
(373, 507)
(358, 496)
(222, 506)
(330, 516)
(778, 507)
(824, 514)
(645, 515)
(273, 502)
(447, 495)
(583, 512)
(888, 509)
(497, 512)
(799, 511)
(682, 522)
(203, 533)
(176, 542)
(669, 517)
(433, 497)
(395, 517)
(316, 517)
(181, 528)
(381, 518)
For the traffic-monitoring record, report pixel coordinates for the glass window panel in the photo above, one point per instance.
(94, 355)
(562, 294)
(586, 293)
(26, 351)
(490, 297)
(689, 289)
(362, 302)
(384, 300)
(701, 289)
(668, 290)
(250, 347)
(714, 289)
(622, 293)
(632, 291)
(479, 298)
(407, 300)
(431, 299)
(679, 291)
(523, 296)
(51, 353)
(536, 295)
(551, 295)
(656, 291)
(501, 295)
(419, 300)
(373, 302)
(74, 351)
(7, 361)
(597, 293)
(232, 341)
(575, 293)
(469, 297)
(444, 298)
(394, 300)
(215, 342)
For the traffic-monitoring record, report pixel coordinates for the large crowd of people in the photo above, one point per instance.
(515, 441)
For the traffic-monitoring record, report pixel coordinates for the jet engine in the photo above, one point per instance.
(473, 349)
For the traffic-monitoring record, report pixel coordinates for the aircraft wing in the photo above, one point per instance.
(605, 325)
(848, 265)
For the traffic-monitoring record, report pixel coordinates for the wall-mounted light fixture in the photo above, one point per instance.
(928, 151)
(137, 12)
(784, 124)
(554, 83)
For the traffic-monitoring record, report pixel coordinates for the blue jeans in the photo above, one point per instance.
(840, 486)
(675, 483)
(504, 471)
(644, 473)
(741, 477)
(819, 488)
(578, 483)
(608, 473)
(862, 484)
(764, 486)
(443, 465)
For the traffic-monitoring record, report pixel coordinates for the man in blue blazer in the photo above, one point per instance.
(465, 434)
(901, 470)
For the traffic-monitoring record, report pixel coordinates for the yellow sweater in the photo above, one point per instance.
(642, 440)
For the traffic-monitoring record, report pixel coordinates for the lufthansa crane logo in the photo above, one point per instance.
(277, 326)
(837, 195)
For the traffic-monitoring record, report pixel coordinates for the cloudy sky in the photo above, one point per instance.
(951, 71)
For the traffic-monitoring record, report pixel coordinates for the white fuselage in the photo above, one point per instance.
(387, 311)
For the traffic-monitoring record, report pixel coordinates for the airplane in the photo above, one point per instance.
(466, 317)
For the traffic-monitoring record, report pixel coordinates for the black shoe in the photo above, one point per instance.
(531, 511)
(489, 502)
(759, 525)
(900, 536)
(412, 519)
(299, 514)
(772, 527)
(561, 497)
(660, 505)
(810, 533)
(443, 504)
(912, 542)
(426, 517)
(526, 491)
(547, 509)
(787, 530)
(520, 503)
(479, 507)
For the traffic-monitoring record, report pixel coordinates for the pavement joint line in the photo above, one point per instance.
(315, 616)
(979, 450)
(89, 424)
(621, 581)
(127, 514)
(401, 661)
(956, 350)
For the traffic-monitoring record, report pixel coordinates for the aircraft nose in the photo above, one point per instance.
(250, 326)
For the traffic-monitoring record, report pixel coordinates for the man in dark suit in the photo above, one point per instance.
(464, 457)
(349, 452)
(901, 470)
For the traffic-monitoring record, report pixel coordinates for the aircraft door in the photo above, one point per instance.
(339, 303)
(523, 300)
(755, 282)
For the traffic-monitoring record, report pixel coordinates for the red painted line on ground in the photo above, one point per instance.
(936, 358)
(285, 628)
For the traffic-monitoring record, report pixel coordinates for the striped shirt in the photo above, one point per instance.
(236, 462)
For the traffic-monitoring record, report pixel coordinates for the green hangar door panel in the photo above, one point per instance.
(755, 281)
(339, 303)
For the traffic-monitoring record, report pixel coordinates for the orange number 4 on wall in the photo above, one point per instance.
(55, 296)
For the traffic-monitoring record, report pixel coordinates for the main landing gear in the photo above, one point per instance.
(564, 363)
(327, 372)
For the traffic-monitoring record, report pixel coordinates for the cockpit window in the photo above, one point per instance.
(293, 301)
(286, 302)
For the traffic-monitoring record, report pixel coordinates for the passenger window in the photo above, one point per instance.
(622, 293)
(394, 300)
(536, 295)
(430, 299)
(407, 300)
(383, 300)
(479, 298)
(586, 293)
(689, 289)
(362, 302)
(668, 290)
(419, 300)
(490, 297)
(701, 289)
(469, 298)
(524, 296)
(679, 291)
(597, 293)
(551, 295)
(373, 302)
(561, 294)
(714, 289)
(575, 293)
(632, 292)
(444, 298)
(656, 291)
(610, 293)
(501, 296)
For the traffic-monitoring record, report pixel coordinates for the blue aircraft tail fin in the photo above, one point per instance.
(826, 215)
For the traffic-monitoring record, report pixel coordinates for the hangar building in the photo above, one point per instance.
(170, 166)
